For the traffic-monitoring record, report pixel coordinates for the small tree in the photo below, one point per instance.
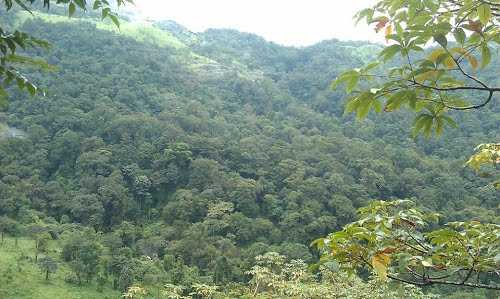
(41, 237)
(43, 244)
(83, 251)
(204, 291)
(135, 292)
(6, 224)
(15, 231)
(172, 291)
(274, 277)
(48, 265)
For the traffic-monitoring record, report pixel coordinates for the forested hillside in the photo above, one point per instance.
(163, 156)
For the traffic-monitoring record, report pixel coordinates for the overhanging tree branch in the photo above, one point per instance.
(428, 282)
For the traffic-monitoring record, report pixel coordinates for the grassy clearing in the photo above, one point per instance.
(142, 32)
(21, 278)
(146, 33)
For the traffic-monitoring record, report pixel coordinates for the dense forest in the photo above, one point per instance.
(163, 158)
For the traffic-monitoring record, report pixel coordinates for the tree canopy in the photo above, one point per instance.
(163, 162)
(13, 61)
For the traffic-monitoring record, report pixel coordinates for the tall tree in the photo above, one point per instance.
(48, 265)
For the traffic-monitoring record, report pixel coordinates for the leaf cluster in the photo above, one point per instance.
(394, 240)
(461, 33)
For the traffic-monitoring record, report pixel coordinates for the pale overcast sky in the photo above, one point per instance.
(288, 22)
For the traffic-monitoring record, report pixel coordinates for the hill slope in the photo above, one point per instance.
(205, 150)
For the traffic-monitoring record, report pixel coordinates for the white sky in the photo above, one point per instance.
(288, 22)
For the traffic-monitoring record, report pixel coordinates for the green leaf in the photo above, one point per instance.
(389, 52)
(432, 5)
(31, 88)
(441, 39)
(422, 121)
(352, 105)
(352, 83)
(486, 56)
(427, 128)
(21, 3)
(20, 82)
(484, 13)
(396, 100)
(363, 110)
(115, 20)
(371, 66)
(318, 243)
(377, 106)
(105, 12)
(4, 103)
(450, 121)
(474, 38)
(350, 77)
(365, 13)
(97, 4)
(439, 126)
(71, 9)
(443, 28)
(365, 100)
(11, 45)
(459, 35)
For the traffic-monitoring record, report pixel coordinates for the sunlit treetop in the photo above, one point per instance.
(485, 162)
(461, 37)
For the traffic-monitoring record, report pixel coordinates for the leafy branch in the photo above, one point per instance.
(11, 62)
(426, 85)
(392, 239)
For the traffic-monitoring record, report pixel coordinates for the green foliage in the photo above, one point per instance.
(82, 251)
(428, 84)
(21, 278)
(12, 64)
(48, 265)
(486, 155)
(274, 277)
(159, 165)
(394, 239)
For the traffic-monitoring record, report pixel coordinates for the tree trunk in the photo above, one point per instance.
(47, 275)
(36, 251)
